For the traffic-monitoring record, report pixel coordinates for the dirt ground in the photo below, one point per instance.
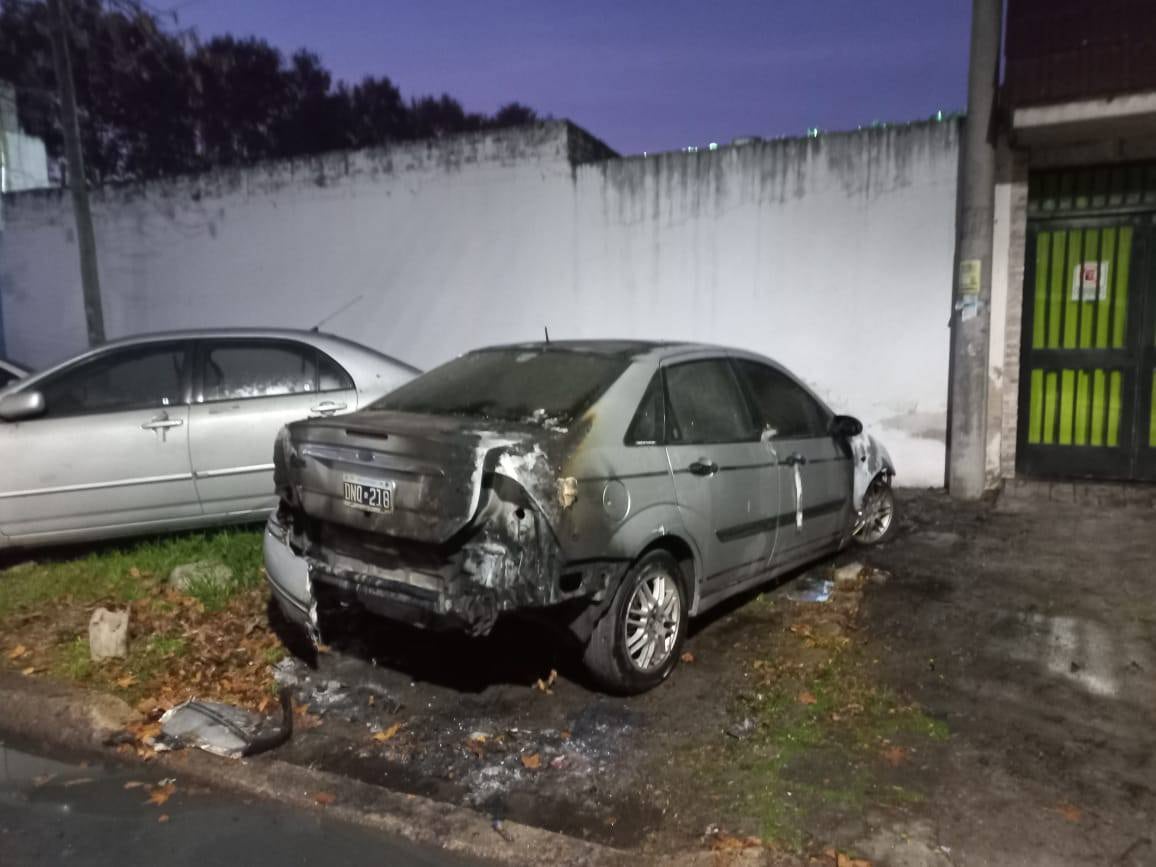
(979, 690)
(1030, 629)
(982, 693)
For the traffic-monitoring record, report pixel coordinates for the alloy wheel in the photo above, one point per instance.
(652, 621)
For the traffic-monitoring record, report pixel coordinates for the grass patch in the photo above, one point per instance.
(828, 742)
(118, 574)
(211, 640)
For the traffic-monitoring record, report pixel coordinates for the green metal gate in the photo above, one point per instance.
(1087, 403)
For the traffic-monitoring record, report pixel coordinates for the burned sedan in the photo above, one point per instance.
(617, 488)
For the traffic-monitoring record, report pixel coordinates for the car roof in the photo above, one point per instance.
(232, 331)
(338, 346)
(610, 347)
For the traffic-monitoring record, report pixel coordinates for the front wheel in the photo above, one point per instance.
(877, 520)
(636, 644)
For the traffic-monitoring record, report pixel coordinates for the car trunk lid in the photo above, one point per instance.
(431, 466)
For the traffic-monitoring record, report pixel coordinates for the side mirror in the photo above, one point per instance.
(845, 427)
(21, 405)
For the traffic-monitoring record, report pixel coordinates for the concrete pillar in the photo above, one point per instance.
(971, 307)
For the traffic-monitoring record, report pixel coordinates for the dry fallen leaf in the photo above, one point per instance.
(807, 697)
(531, 761)
(18, 651)
(126, 681)
(687, 657)
(894, 756)
(325, 798)
(163, 817)
(1070, 812)
(133, 784)
(159, 795)
(134, 572)
(547, 685)
(565, 735)
(30, 670)
(389, 733)
(728, 842)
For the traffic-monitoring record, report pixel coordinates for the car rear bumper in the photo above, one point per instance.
(450, 593)
(287, 574)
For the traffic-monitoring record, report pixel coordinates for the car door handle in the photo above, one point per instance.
(703, 467)
(794, 460)
(327, 407)
(162, 422)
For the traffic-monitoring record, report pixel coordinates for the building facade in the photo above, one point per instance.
(1072, 363)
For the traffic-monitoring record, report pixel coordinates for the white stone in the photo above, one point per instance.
(201, 573)
(108, 634)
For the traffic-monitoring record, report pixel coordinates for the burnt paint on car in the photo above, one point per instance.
(478, 527)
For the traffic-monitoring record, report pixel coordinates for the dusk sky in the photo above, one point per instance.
(639, 74)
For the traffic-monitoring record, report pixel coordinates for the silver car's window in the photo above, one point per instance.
(330, 375)
(550, 387)
(650, 419)
(239, 370)
(705, 404)
(122, 379)
(781, 403)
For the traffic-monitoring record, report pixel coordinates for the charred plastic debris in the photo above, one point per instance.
(222, 729)
(485, 539)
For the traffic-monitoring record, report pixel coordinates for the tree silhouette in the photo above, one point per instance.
(156, 101)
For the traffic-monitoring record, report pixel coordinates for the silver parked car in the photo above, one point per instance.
(168, 431)
(617, 487)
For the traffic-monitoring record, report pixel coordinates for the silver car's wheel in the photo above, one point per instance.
(636, 643)
(878, 514)
(653, 616)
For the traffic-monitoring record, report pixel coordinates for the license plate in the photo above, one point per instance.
(371, 495)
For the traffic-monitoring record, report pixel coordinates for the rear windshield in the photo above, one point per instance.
(551, 387)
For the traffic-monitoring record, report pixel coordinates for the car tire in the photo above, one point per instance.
(636, 644)
(877, 524)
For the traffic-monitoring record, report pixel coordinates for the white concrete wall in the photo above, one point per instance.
(23, 162)
(833, 255)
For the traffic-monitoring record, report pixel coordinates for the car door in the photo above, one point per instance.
(814, 470)
(246, 391)
(110, 450)
(724, 476)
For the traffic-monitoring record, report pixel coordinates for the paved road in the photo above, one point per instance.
(65, 811)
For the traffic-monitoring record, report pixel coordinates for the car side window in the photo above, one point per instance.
(650, 419)
(237, 370)
(123, 379)
(706, 405)
(331, 376)
(781, 402)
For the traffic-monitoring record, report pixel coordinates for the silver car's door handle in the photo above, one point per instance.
(162, 422)
(703, 467)
(327, 407)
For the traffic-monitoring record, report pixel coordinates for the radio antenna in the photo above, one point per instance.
(340, 309)
(546, 328)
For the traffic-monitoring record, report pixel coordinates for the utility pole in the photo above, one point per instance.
(77, 183)
(971, 302)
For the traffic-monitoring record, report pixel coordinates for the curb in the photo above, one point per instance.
(76, 718)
